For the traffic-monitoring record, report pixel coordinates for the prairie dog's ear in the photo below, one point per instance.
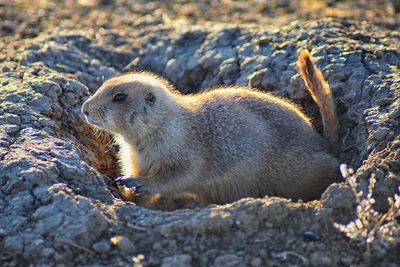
(149, 98)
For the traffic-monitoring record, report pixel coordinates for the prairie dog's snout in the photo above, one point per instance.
(85, 108)
(93, 114)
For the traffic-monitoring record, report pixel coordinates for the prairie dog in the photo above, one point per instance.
(220, 145)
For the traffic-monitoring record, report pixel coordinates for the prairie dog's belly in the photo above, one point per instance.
(126, 157)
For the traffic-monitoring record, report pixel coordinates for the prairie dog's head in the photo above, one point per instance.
(131, 105)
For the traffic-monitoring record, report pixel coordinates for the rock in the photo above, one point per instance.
(11, 129)
(13, 185)
(256, 262)
(347, 260)
(181, 260)
(42, 193)
(338, 196)
(13, 119)
(101, 247)
(22, 200)
(320, 259)
(14, 244)
(45, 122)
(274, 212)
(123, 244)
(309, 235)
(41, 104)
(228, 260)
(371, 119)
(47, 252)
(381, 133)
(384, 101)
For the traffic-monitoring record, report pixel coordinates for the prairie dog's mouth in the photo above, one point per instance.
(92, 121)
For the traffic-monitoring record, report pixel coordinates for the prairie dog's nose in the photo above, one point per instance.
(85, 108)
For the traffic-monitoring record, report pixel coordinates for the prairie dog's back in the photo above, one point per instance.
(224, 108)
(244, 133)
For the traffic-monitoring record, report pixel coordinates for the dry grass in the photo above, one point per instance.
(138, 260)
(371, 228)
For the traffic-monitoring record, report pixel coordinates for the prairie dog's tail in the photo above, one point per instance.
(321, 93)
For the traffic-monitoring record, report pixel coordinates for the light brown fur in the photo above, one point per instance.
(321, 93)
(220, 145)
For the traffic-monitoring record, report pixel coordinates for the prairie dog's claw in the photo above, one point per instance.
(132, 182)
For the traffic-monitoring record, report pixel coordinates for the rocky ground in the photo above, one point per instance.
(57, 203)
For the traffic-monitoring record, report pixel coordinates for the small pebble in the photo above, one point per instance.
(181, 260)
(263, 254)
(371, 119)
(256, 262)
(14, 244)
(123, 244)
(384, 101)
(11, 129)
(320, 259)
(44, 122)
(13, 119)
(228, 260)
(101, 247)
(309, 235)
(47, 252)
(347, 260)
(381, 133)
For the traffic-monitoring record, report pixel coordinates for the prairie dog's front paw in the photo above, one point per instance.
(134, 182)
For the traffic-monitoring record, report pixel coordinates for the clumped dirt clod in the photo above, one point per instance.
(56, 202)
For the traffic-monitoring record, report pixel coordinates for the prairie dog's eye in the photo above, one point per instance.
(119, 97)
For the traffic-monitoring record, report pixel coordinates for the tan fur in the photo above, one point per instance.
(220, 145)
(321, 93)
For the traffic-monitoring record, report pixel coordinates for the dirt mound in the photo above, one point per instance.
(56, 202)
